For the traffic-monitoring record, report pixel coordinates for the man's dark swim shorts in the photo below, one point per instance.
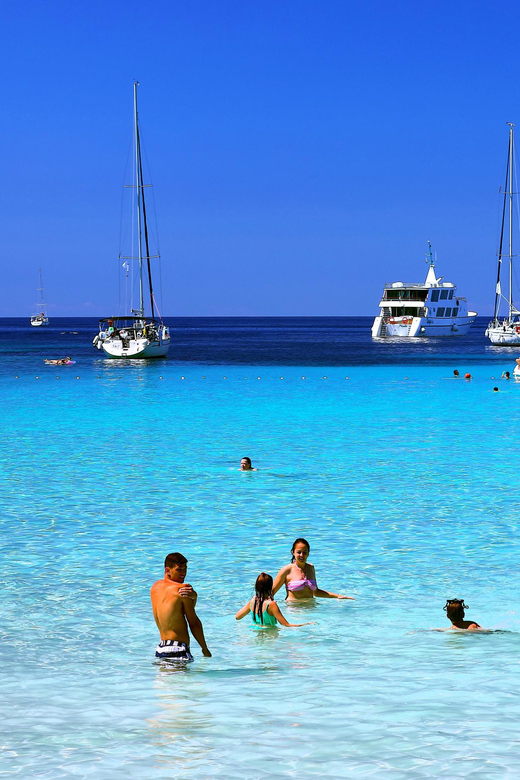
(171, 650)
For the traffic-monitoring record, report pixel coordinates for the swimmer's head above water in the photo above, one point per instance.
(300, 550)
(455, 609)
(264, 585)
(245, 465)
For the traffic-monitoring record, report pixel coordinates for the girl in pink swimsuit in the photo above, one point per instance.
(299, 576)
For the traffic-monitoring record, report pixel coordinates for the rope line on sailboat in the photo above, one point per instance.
(158, 312)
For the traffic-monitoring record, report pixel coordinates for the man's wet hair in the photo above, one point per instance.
(174, 559)
(455, 608)
(247, 459)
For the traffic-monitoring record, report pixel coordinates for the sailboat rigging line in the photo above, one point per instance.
(140, 311)
(511, 307)
(160, 283)
(154, 233)
(498, 293)
(145, 226)
(158, 312)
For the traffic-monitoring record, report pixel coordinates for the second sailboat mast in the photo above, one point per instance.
(511, 125)
(141, 214)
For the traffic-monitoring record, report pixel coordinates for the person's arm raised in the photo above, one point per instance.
(243, 612)
(195, 625)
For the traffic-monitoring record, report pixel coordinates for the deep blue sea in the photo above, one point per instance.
(402, 478)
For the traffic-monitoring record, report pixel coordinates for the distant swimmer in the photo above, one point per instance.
(245, 465)
(496, 390)
(468, 376)
(456, 373)
(505, 375)
(173, 604)
(455, 612)
(263, 609)
(299, 577)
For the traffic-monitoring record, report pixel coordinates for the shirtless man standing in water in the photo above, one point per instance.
(173, 604)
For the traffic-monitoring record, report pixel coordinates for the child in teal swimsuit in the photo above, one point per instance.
(263, 609)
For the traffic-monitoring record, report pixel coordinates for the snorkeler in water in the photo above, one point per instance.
(455, 610)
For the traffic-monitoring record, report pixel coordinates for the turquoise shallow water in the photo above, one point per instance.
(406, 489)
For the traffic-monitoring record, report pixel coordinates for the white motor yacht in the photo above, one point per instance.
(429, 310)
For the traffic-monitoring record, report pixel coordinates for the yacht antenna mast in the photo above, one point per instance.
(429, 255)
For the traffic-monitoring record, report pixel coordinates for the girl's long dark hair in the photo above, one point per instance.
(263, 591)
(297, 541)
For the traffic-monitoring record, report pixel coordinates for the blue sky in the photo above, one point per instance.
(302, 153)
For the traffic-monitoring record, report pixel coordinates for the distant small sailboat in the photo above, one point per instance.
(136, 335)
(41, 318)
(506, 331)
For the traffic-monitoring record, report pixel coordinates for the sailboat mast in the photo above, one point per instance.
(498, 288)
(511, 125)
(40, 289)
(139, 195)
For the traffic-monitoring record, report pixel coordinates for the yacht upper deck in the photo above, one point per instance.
(410, 286)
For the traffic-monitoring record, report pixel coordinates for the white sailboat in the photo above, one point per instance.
(41, 317)
(504, 328)
(138, 334)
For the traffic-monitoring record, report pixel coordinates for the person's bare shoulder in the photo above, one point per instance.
(163, 587)
(157, 586)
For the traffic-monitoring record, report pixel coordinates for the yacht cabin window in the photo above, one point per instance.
(444, 295)
(454, 312)
(450, 296)
(440, 312)
(448, 313)
(435, 295)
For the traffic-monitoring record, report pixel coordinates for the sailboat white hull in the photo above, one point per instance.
(134, 348)
(504, 335)
(38, 322)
